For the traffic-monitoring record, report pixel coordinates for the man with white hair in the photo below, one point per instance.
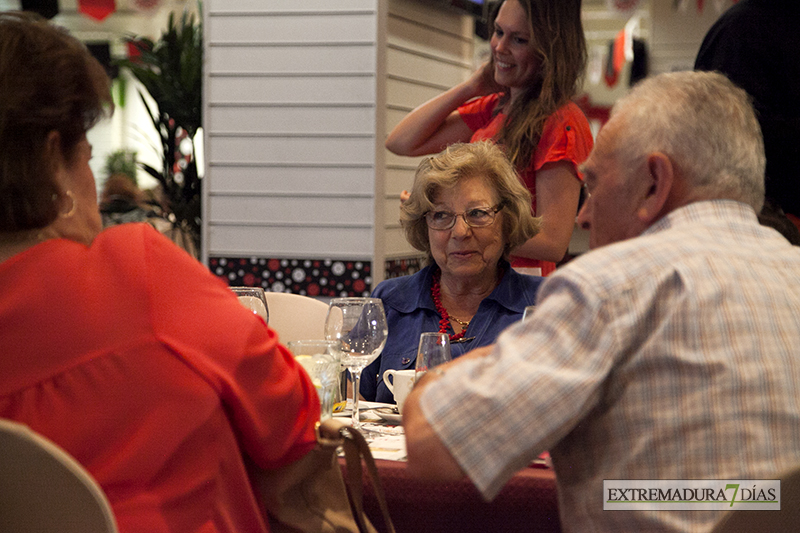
(668, 352)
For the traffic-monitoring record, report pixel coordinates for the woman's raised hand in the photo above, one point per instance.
(482, 80)
(436, 124)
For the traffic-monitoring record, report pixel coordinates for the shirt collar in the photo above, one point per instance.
(706, 211)
(414, 292)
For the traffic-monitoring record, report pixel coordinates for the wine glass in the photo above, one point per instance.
(254, 299)
(359, 327)
(319, 359)
(434, 350)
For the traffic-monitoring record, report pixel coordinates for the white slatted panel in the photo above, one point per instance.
(286, 6)
(423, 69)
(304, 180)
(408, 94)
(328, 241)
(294, 119)
(396, 239)
(271, 28)
(392, 213)
(249, 59)
(342, 211)
(349, 88)
(398, 180)
(286, 149)
(290, 127)
(428, 50)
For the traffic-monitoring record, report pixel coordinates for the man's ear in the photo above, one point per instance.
(661, 178)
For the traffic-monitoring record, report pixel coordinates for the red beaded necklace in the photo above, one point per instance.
(444, 323)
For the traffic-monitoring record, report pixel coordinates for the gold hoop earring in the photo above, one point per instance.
(71, 209)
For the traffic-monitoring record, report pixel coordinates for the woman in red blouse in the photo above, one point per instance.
(520, 98)
(117, 345)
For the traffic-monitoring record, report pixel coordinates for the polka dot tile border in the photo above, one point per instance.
(403, 267)
(309, 277)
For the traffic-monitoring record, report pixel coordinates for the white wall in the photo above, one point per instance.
(291, 128)
(677, 34)
(428, 51)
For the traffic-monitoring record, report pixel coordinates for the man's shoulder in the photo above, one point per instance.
(611, 268)
(690, 235)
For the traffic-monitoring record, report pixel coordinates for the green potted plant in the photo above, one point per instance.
(121, 163)
(171, 71)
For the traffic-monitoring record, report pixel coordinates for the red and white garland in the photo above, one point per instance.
(146, 5)
(683, 5)
(623, 6)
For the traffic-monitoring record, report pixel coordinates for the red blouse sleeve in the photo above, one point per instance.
(477, 113)
(566, 137)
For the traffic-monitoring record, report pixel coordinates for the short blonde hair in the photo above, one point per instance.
(465, 160)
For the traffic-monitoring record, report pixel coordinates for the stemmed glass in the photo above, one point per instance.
(254, 299)
(359, 327)
(434, 350)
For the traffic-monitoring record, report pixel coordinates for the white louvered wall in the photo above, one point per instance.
(299, 97)
(291, 128)
(428, 51)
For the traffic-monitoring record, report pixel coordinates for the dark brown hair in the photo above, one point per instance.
(557, 38)
(48, 82)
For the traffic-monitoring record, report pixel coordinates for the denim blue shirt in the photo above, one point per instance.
(410, 311)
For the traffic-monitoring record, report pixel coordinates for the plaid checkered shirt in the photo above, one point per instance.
(673, 355)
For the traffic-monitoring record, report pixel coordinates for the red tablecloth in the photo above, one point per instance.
(527, 503)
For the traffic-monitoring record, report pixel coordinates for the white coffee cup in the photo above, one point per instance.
(401, 384)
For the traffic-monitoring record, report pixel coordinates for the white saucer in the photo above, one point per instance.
(389, 414)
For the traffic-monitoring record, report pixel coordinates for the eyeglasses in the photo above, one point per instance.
(477, 217)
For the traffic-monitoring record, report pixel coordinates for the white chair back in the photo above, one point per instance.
(44, 490)
(296, 317)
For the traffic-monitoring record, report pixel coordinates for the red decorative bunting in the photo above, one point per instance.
(622, 6)
(146, 5)
(97, 9)
(616, 59)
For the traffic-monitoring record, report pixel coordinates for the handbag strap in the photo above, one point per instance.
(356, 449)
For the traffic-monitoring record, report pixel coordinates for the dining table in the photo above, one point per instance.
(528, 502)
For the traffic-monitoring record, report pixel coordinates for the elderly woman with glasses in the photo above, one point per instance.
(467, 211)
